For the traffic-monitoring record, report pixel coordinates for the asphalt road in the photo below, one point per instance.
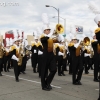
(29, 87)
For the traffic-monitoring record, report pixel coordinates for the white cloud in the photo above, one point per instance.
(27, 15)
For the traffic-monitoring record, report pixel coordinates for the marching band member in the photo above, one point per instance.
(10, 62)
(40, 53)
(77, 66)
(87, 50)
(16, 58)
(96, 49)
(70, 55)
(6, 56)
(49, 61)
(61, 59)
(1, 56)
(24, 60)
(34, 56)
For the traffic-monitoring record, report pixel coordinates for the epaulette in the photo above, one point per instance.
(56, 45)
(38, 44)
(92, 41)
(42, 36)
(70, 44)
(97, 30)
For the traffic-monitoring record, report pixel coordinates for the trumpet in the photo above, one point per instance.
(1, 51)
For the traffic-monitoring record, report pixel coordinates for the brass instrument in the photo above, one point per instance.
(87, 46)
(59, 29)
(28, 52)
(86, 41)
(1, 51)
(28, 48)
(20, 56)
(65, 53)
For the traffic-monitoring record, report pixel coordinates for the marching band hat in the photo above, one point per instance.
(97, 19)
(15, 39)
(45, 27)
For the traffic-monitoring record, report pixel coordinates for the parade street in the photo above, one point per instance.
(29, 87)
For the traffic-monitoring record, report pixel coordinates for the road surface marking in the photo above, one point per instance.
(97, 89)
(31, 81)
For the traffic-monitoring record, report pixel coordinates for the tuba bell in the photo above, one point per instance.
(59, 29)
(86, 41)
(87, 46)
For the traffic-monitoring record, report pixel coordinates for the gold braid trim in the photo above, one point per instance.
(78, 51)
(98, 48)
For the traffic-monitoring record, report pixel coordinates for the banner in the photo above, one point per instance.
(29, 39)
(79, 29)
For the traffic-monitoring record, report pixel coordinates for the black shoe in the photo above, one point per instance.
(5, 71)
(63, 74)
(8, 70)
(65, 70)
(96, 80)
(59, 74)
(86, 72)
(17, 80)
(34, 71)
(92, 69)
(70, 73)
(23, 72)
(77, 83)
(49, 86)
(46, 89)
(0, 74)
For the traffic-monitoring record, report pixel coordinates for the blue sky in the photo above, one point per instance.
(27, 15)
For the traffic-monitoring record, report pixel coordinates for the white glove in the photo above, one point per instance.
(85, 55)
(66, 44)
(95, 40)
(35, 51)
(30, 55)
(76, 45)
(7, 50)
(47, 35)
(60, 53)
(15, 58)
(40, 52)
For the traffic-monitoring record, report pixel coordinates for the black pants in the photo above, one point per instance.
(96, 67)
(39, 64)
(60, 63)
(1, 64)
(77, 69)
(34, 60)
(24, 62)
(87, 63)
(70, 66)
(5, 62)
(48, 62)
(16, 69)
(64, 64)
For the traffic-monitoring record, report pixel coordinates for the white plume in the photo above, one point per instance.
(94, 8)
(39, 31)
(45, 19)
(92, 33)
(72, 29)
(35, 33)
(7, 40)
